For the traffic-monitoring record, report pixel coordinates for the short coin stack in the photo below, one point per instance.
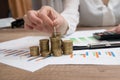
(34, 51)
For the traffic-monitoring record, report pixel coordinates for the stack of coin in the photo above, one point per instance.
(56, 45)
(45, 54)
(67, 47)
(34, 51)
(44, 47)
(57, 52)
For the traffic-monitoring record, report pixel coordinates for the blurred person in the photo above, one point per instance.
(83, 12)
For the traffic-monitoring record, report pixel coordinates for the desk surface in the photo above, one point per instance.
(55, 72)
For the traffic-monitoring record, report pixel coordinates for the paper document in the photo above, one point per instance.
(16, 53)
(6, 22)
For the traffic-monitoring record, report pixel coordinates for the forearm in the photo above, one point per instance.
(115, 29)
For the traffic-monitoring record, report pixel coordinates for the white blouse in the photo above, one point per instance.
(90, 13)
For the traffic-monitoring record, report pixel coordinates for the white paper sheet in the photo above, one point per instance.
(6, 22)
(16, 53)
(22, 43)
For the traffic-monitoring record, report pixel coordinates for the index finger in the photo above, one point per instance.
(44, 15)
(33, 17)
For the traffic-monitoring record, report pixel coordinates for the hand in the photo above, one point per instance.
(44, 20)
(116, 29)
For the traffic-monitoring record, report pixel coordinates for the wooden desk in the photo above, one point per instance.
(55, 72)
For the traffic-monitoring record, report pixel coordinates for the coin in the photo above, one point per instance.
(55, 43)
(34, 50)
(67, 47)
(57, 52)
(45, 54)
(44, 45)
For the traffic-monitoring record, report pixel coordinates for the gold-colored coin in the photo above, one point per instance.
(67, 47)
(34, 50)
(57, 52)
(44, 45)
(55, 43)
(45, 54)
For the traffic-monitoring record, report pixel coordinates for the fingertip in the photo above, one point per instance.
(53, 16)
(55, 22)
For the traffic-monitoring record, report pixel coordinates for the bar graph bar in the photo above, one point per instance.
(110, 53)
(83, 39)
(96, 54)
(74, 40)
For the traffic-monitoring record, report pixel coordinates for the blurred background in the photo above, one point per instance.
(10, 10)
(17, 8)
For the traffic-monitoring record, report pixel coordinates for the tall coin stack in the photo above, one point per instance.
(44, 47)
(67, 47)
(56, 44)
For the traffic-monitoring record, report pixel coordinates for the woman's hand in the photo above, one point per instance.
(45, 20)
(116, 29)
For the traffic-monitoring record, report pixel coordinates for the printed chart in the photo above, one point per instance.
(95, 54)
(84, 40)
(22, 59)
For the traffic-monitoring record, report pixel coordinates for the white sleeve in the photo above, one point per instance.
(71, 14)
(114, 5)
